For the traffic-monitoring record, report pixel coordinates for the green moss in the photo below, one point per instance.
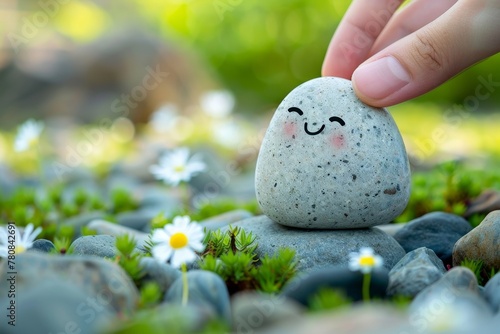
(448, 187)
(232, 255)
(328, 299)
(128, 257)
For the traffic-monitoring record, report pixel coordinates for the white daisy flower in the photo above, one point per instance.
(28, 135)
(176, 167)
(178, 241)
(365, 260)
(164, 119)
(22, 242)
(218, 103)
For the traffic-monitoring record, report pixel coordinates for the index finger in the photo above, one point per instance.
(356, 34)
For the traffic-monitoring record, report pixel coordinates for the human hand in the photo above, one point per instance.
(391, 58)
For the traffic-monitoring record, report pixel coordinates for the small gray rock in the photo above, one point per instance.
(329, 161)
(482, 243)
(56, 306)
(454, 282)
(452, 304)
(450, 311)
(320, 248)
(437, 231)
(42, 245)
(254, 311)
(492, 292)
(206, 289)
(97, 278)
(98, 245)
(105, 227)
(415, 271)
(219, 221)
(161, 273)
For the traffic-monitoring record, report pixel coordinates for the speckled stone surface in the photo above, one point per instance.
(329, 161)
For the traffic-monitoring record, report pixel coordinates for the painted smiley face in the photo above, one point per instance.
(317, 132)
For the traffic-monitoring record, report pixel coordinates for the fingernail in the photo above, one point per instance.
(380, 78)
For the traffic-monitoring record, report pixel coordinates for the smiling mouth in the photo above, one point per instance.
(314, 133)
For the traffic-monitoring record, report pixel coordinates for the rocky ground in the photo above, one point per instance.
(88, 292)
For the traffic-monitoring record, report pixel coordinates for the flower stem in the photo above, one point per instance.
(366, 287)
(186, 198)
(184, 284)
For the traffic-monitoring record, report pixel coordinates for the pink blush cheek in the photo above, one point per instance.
(338, 141)
(290, 129)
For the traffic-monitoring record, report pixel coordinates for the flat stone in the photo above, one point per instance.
(482, 243)
(227, 218)
(329, 161)
(108, 228)
(415, 271)
(206, 289)
(97, 278)
(437, 231)
(350, 283)
(98, 245)
(56, 306)
(320, 248)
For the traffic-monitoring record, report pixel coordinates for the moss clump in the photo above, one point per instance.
(232, 255)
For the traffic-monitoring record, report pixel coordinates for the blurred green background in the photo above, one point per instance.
(258, 50)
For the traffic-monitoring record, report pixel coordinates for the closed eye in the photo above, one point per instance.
(337, 119)
(295, 109)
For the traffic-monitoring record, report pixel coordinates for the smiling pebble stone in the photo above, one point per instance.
(329, 161)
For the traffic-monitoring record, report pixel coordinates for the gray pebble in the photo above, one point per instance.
(97, 278)
(436, 230)
(56, 306)
(482, 243)
(98, 245)
(414, 272)
(329, 161)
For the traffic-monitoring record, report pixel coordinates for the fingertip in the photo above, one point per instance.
(365, 99)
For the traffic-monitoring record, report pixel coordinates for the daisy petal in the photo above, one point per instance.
(161, 252)
(160, 235)
(181, 256)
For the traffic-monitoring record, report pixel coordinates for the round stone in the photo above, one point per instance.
(329, 161)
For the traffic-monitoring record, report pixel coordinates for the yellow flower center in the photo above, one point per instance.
(20, 249)
(367, 261)
(179, 168)
(178, 240)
